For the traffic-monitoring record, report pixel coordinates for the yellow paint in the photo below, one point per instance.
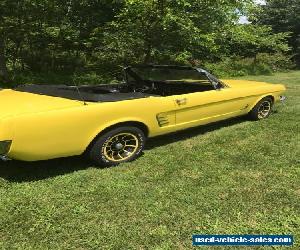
(43, 127)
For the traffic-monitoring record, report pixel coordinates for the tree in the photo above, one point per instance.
(248, 40)
(76, 36)
(50, 35)
(3, 69)
(164, 31)
(282, 16)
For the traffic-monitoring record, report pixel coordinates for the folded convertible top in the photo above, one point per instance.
(73, 93)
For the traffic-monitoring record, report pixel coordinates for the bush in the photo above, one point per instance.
(263, 64)
(27, 77)
(91, 78)
(277, 62)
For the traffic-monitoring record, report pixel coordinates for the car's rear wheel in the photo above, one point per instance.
(262, 109)
(118, 145)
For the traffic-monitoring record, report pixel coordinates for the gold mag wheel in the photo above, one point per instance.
(120, 147)
(264, 109)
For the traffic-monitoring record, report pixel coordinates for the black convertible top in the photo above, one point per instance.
(73, 93)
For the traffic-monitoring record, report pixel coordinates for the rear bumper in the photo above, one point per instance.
(4, 158)
(4, 150)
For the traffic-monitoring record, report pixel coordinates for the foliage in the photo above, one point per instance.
(28, 77)
(262, 64)
(163, 31)
(51, 35)
(277, 62)
(249, 40)
(97, 37)
(282, 16)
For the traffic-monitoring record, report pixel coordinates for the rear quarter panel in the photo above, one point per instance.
(67, 132)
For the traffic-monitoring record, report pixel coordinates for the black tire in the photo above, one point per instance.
(262, 109)
(113, 148)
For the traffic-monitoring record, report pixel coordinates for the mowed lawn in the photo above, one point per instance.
(232, 177)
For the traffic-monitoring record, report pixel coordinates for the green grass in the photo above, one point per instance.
(232, 177)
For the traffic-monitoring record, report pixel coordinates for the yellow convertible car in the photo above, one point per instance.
(110, 123)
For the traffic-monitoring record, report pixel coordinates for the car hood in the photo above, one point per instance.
(245, 83)
(17, 103)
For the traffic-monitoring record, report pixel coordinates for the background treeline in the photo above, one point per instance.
(87, 41)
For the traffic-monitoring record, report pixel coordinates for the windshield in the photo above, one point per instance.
(169, 74)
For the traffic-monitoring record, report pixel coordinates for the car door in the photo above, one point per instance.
(203, 107)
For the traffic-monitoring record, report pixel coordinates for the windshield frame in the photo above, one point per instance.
(129, 72)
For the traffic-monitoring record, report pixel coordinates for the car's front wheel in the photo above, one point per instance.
(262, 109)
(118, 145)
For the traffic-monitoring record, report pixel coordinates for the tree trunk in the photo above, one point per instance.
(147, 55)
(3, 69)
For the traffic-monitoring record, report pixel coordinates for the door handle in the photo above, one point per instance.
(182, 101)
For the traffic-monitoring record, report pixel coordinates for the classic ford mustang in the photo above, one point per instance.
(110, 123)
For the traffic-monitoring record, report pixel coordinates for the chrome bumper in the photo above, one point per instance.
(282, 98)
(4, 150)
(4, 158)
